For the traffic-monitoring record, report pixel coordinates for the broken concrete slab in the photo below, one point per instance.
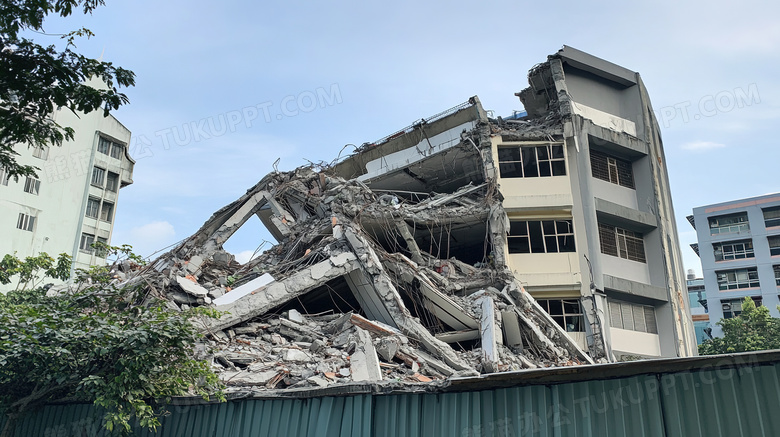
(191, 287)
(276, 293)
(243, 290)
(364, 363)
(489, 333)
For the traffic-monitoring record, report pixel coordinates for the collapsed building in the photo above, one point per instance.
(461, 245)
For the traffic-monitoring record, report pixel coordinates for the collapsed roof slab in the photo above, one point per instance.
(435, 132)
(425, 171)
(277, 293)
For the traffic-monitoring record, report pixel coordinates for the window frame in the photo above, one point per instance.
(622, 243)
(32, 185)
(25, 222)
(734, 254)
(564, 315)
(621, 311)
(102, 172)
(728, 228)
(101, 252)
(88, 239)
(610, 168)
(93, 203)
(109, 217)
(112, 184)
(104, 145)
(773, 239)
(758, 300)
(117, 150)
(547, 236)
(751, 280)
(776, 269)
(774, 216)
(5, 175)
(555, 154)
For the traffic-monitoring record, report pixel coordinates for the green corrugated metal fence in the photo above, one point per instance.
(706, 402)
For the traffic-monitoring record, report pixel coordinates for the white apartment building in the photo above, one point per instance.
(73, 202)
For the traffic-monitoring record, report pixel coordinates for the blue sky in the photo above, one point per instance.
(208, 74)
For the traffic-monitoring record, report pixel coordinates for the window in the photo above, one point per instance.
(93, 207)
(101, 251)
(774, 244)
(566, 312)
(772, 217)
(112, 183)
(107, 212)
(545, 236)
(98, 174)
(108, 147)
(4, 175)
(733, 307)
(104, 146)
(611, 169)
(531, 161)
(632, 316)
(738, 278)
(777, 274)
(731, 250)
(729, 224)
(621, 242)
(26, 222)
(86, 243)
(41, 152)
(32, 185)
(117, 150)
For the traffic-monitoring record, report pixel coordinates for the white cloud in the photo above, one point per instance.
(245, 256)
(699, 146)
(151, 237)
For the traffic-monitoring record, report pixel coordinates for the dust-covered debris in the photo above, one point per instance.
(384, 271)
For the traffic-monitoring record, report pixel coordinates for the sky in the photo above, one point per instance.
(224, 89)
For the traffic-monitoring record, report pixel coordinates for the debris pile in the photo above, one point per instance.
(364, 285)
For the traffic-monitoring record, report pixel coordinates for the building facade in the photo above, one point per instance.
(73, 202)
(697, 298)
(584, 219)
(739, 248)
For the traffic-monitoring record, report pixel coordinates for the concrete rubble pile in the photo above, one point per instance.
(390, 268)
(330, 304)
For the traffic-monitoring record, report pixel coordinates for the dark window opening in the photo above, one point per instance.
(772, 216)
(731, 250)
(531, 161)
(729, 224)
(541, 236)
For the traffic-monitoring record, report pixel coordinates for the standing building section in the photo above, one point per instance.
(581, 210)
(739, 247)
(73, 201)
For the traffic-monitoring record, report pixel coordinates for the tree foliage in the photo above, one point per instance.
(753, 330)
(37, 79)
(30, 272)
(119, 348)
